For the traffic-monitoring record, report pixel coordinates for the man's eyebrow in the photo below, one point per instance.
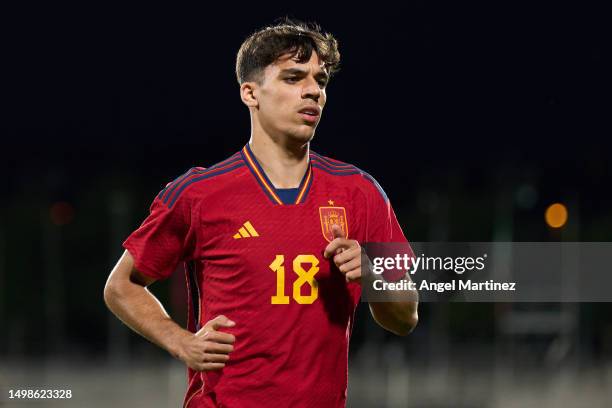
(297, 71)
(293, 71)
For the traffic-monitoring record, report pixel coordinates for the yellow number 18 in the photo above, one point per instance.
(304, 276)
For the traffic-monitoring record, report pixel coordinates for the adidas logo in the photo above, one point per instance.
(246, 231)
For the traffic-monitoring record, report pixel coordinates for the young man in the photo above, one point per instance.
(270, 241)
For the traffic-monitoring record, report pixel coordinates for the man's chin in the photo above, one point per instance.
(303, 135)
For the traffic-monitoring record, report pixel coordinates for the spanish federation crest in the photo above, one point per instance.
(330, 216)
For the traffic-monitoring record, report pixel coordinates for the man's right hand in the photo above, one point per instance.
(208, 349)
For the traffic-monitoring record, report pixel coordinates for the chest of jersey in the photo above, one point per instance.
(273, 254)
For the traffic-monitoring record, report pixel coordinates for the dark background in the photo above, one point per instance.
(474, 118)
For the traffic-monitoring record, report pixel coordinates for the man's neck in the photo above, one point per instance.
(284, 164)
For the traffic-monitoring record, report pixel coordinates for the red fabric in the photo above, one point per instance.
(285, 354)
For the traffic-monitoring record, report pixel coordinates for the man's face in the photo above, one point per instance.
(291, 97)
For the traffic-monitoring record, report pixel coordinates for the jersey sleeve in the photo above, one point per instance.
(382, 222)
(383, 228)
(165, 238)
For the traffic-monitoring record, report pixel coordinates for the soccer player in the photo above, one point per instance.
(270, 239)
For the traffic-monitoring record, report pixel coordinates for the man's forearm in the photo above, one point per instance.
(139, 309)
(398, 310)
(397, 316)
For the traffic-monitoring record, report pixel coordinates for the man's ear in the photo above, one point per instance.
(248, 94)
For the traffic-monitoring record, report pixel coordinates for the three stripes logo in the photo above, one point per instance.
(246, 231)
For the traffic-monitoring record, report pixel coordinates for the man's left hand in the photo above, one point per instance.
(346, 255)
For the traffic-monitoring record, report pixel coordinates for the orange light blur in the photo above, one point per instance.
(556, 215)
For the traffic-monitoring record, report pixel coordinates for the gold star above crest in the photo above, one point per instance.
(330, 202)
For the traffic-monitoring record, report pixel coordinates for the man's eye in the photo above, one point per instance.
(291, 80)
(322, 84)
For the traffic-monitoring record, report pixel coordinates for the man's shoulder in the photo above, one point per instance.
(202, 181)
(359, 178)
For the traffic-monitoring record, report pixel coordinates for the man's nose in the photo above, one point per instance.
(311, 90)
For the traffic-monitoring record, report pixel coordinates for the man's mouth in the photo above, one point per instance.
(310, 114)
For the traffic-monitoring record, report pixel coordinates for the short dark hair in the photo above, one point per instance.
(298, 39)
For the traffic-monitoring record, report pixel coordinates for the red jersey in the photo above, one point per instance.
(259, 261)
